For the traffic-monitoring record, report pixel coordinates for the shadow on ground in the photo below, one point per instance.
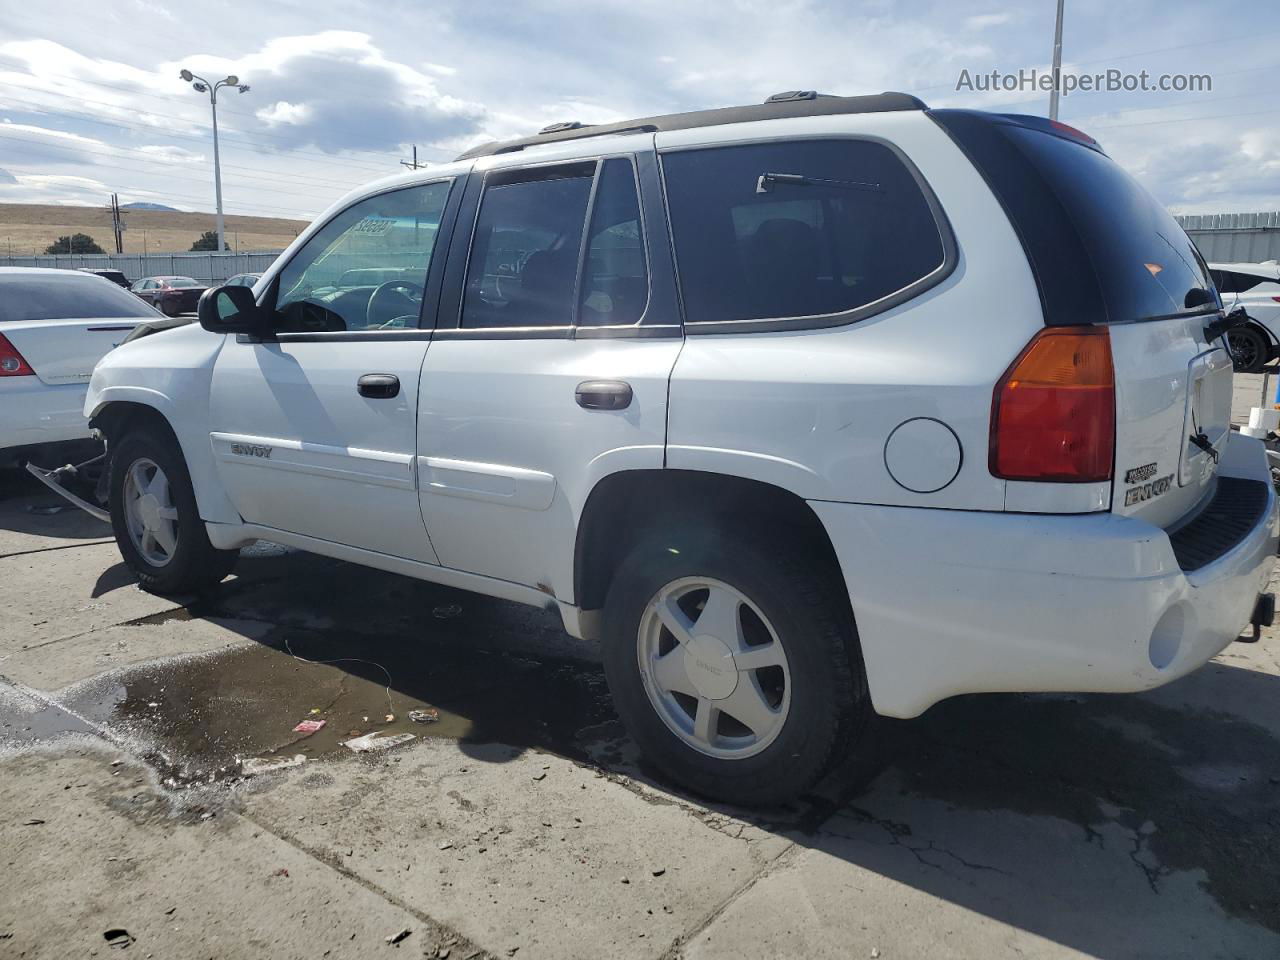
(1059, 815)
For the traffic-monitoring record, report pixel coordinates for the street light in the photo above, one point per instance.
(202, 85)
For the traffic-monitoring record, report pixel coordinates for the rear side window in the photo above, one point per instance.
(66, 297)
(524, 255)
(796, 229)
(615, 276)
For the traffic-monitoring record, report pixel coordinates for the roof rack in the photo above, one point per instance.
(792, 103)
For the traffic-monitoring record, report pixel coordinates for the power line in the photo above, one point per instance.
(298, 212)
(271, 184)
(287, 178)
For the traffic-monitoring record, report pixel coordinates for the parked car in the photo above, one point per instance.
(243, 280)
(170, 295)
(54, 326)
(1256, 288)
(938, 405)
(115, 276)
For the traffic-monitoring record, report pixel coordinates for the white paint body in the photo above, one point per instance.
(48, 407)
(478, 473)
(1259, 301)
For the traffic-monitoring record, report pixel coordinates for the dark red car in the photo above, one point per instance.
(170, 295)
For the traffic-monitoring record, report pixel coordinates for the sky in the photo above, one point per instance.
(340, 90)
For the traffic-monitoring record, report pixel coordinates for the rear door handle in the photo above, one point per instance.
(604, 394)
(378, 386)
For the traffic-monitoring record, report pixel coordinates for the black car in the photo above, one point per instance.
(115, 276)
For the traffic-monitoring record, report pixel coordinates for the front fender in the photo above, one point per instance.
(170, 373)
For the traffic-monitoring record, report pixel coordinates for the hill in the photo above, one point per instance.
(28, 228)
(144, 205)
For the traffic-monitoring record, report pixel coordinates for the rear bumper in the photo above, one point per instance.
(950, 602)
(33, 412)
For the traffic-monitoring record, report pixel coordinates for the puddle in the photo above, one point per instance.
(25, 726)
(200, 715)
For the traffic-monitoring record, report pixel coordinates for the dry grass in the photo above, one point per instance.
(27, 228)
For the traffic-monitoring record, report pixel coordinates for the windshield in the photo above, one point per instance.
(65, 297)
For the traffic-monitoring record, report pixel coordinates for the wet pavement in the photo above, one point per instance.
(1106, 826)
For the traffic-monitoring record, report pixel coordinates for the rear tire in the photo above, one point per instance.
(789, 613)
(155, 519)
(1249, 349)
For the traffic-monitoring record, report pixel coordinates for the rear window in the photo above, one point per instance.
(796, 229)
(69, 297)
(1147, 265)
(181, 283)
(1102, 249)
(1229, 281)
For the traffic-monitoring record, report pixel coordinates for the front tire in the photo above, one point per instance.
(734, 664)
(1248, 349)
(155, 519)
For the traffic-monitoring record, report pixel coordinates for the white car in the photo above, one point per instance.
(1256, 288)
(54, 326)
(808, 411)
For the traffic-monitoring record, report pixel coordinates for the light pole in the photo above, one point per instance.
(204, 86)
(1057, 66)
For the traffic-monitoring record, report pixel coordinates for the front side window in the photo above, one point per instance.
(525, 250)
(366, 269)
(796, 229)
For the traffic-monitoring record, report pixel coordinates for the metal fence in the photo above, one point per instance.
(1235, 237)
(209, 267)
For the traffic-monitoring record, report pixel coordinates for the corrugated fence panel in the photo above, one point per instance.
(207, 267)
(1235, 237)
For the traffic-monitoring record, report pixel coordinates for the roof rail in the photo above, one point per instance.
(792, 103)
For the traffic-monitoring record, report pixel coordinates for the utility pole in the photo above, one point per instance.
(412, 164)
(1057, 65)
(116, 226)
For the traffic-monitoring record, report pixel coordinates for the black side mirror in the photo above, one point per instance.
(1199, 297)
(232, 310)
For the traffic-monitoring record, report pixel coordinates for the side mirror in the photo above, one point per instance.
(232, 310)
(1199, 297)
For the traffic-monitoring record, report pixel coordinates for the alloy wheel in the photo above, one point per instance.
(714, 668)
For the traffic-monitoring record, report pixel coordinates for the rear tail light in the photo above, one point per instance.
(1053, 416)
(11, 362)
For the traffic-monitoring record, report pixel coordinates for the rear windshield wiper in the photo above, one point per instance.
(767, 181)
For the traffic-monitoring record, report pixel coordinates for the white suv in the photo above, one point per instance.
(1255, 287)
(809, 411)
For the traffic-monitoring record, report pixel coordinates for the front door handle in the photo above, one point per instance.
(378, 386)
(604, 394)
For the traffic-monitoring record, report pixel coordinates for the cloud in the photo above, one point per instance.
(984, 20)
(7, 177)
(337, 91)
(52, 189)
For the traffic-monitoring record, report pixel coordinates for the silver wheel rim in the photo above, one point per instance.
(149, 513)
(714, 668)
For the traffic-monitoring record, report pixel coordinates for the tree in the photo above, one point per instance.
(76, 243)
(208, 241)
